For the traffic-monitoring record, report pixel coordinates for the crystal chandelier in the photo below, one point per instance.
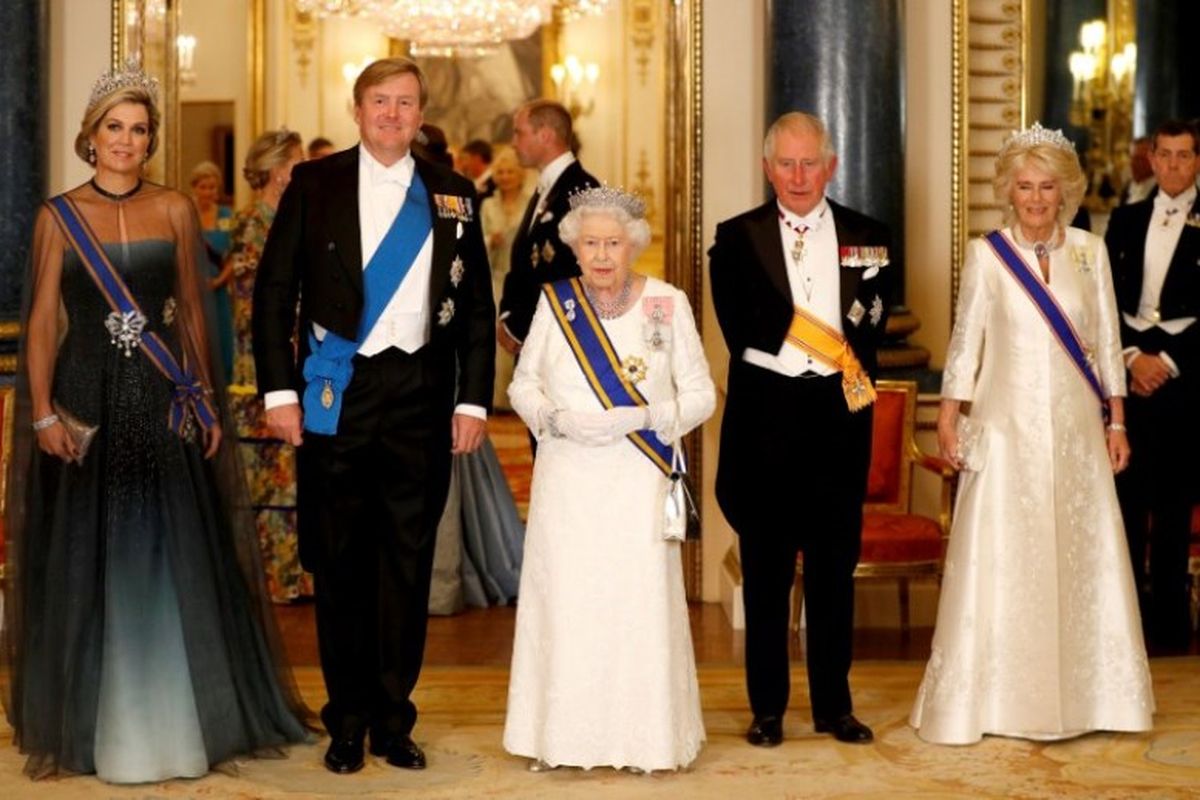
(570, 10)
(454, 27)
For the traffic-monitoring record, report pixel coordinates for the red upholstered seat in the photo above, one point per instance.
(900, 537)
(897, 544)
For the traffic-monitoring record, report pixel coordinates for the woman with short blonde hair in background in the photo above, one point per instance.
(501, 215)
(216, 222)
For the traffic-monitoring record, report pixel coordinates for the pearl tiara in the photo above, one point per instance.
(1036, 135)
(131, 76)
(608, 197)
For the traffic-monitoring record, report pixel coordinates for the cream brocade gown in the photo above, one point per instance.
(603, 672)
(1038, 634)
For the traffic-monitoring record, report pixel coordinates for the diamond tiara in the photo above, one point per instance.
(1035, 135)
(609, 197)
(130, 76)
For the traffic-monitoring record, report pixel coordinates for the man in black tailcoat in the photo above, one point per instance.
(410, 389)
(790, 280)
(542, 139)
(1154, 247)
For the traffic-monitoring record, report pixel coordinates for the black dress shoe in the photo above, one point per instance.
(401, 751)
(345, 755)
(845, 729)
(765, 732)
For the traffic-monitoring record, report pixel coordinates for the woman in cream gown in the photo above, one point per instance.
(603, 672)
(1038, 634)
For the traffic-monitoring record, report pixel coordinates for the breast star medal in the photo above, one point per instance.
(633, 368)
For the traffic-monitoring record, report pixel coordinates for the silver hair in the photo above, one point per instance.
(797, 122)
(638, 230)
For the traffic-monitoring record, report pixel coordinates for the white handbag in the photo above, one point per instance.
(680, 507)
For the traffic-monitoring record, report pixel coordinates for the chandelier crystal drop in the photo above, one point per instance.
(455, 27)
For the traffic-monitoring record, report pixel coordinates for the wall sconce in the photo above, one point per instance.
(185, 47)
(351, 71)
(1103, 71)
(575, 85)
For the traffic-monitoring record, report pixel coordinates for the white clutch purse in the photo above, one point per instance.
(972, 444)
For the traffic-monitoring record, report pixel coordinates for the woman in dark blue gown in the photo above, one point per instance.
(138, 644)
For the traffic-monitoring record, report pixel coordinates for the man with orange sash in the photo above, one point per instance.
(800, 286)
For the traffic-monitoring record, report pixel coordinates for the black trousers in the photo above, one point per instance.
(1156, 493)
(369, 502)
(792, 477)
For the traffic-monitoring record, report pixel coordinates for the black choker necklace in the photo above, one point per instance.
(113, 195)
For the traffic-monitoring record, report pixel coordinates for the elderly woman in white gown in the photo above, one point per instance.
(611, 375)
(1038, 634)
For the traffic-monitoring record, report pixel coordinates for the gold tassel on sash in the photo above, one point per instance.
(822, 342)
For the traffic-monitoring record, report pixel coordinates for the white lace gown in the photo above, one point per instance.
(603, 672)
(1038, 634)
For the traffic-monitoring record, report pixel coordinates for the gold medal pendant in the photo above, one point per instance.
(327, 395)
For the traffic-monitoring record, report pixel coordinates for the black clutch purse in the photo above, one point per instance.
(80, 432)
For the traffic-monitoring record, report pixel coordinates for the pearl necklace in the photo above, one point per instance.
(611, 309)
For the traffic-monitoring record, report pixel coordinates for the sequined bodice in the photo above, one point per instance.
(89, 366)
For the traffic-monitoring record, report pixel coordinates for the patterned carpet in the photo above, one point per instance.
(462, 716)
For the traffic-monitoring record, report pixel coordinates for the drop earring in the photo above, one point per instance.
(91, 154)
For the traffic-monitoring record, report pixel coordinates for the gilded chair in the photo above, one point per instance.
(6, 438)
(896, 543)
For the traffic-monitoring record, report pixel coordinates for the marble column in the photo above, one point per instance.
(23, 129)
(844, 62)
(1166, 64)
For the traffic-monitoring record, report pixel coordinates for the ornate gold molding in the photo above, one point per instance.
(684, 199)
(256, 64)
(642, 24)
(990, 59)
(958, 134)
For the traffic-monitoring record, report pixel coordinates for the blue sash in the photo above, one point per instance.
(598, 359)
(1056, 318)
(191, 398)
(328, 368)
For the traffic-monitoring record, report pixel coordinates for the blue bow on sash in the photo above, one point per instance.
(328, 368)
(1056, 318)
(601, 366)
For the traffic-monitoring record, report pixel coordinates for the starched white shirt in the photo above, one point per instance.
(815, 286)
(1162, 237)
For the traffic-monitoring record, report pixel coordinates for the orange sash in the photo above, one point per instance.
(829, 347)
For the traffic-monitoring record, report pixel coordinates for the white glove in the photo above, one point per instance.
(624, 420)
(664, 420)
(596, 427)
(582, 427)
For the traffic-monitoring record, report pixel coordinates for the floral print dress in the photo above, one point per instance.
(270, 464)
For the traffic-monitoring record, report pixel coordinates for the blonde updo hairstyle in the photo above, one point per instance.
(1058, 162)
(636, 228)
(95, 114)
(269, 151)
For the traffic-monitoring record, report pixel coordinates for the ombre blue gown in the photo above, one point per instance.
(139, 650)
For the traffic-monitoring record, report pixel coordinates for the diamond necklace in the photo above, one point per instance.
(614, 308)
